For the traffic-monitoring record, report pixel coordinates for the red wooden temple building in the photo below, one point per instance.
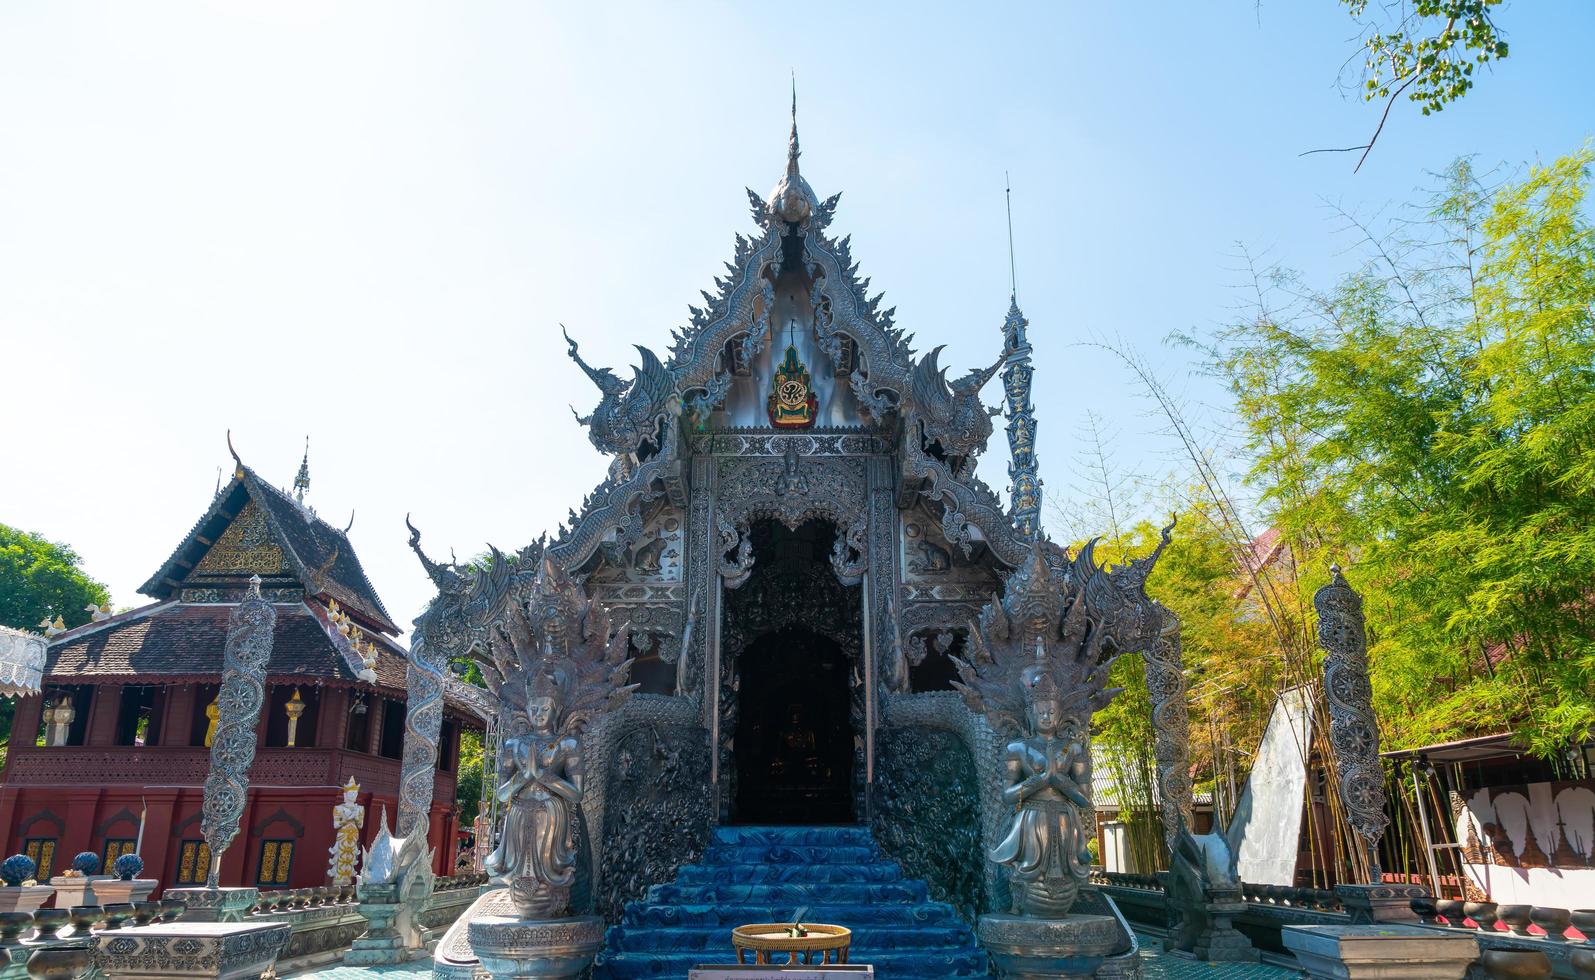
(122, 724)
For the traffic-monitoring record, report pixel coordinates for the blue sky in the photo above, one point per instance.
(366, 221)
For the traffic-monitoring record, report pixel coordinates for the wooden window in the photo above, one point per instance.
(115, 847)
(80, 696)
(138, 719)
(276, 860)
(193, 862)
(42, 851)
(392, 746)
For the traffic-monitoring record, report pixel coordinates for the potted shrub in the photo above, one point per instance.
(21, 893)
(75, 885)
(126, 887)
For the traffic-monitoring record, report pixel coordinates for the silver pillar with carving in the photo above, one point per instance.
(243, 694)
(1164, 663)
(232, 750)
(1024, 507)
(423, 724)
(1354, 733)
(1352, 727)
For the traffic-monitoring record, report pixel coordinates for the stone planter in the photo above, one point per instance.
(1553, 921)
(1424, 907)
(60, 962)
(48, 922)
(73, 890)
(1482, 913)
(1584, 921)
(23, 898)
(84, 918)
(1515, 917)
(1516, 964)
(115, 891)
(12, 925)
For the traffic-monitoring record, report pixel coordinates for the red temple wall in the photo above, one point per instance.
(83, 818)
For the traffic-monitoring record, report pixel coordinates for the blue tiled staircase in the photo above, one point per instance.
(764, 874)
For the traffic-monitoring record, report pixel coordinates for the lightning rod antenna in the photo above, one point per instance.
(1013, 279)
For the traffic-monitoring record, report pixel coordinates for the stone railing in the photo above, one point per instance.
(1565, 937)
(23, 934)
(1289, 896)
(327, 919)
(324, 921)
(1269, 908)
(1122, 879)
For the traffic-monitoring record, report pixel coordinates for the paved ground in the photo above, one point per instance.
(1155, 966)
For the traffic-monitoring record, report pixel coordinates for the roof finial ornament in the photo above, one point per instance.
(792, 151)
(793, 200)
(1024, 506)
(302, 478)
(238, 464)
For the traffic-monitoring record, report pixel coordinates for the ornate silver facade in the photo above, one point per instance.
(232, 749)
(791, 471)
(1352, 728)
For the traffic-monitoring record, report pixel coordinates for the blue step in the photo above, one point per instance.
(764, 874)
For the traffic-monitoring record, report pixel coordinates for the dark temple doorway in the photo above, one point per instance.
(792, 706)
(794, 737)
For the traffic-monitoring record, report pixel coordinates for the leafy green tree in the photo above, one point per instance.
(1431, 418)
(1425, 49)
(39, 578)
(468, 785)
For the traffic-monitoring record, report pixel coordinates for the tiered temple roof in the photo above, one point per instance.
(309, 570)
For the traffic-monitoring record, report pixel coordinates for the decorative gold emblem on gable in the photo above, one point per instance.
(245, 548)
(792, 403)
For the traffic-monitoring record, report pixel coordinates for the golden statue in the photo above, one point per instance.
(213, 712)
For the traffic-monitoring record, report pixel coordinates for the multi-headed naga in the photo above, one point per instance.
(1038, 670)
(554, 668)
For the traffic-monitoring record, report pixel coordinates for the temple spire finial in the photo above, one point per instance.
(793, 200)
(1024, 507)
(302, 478)
(792, 151)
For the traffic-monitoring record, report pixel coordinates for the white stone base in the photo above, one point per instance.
(1381, 952)
(73, 890)
(113, 891)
